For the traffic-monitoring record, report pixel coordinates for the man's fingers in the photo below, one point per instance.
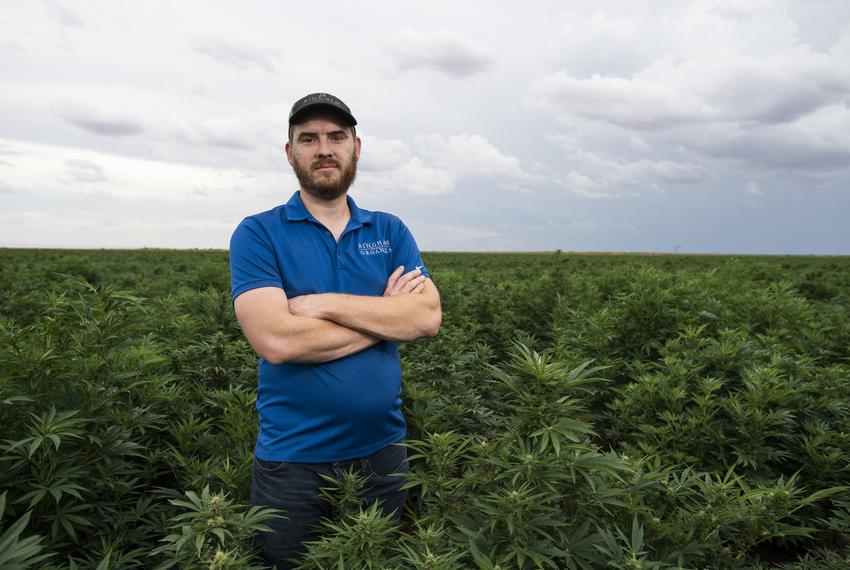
(393, 280)
(407, 278)
(410, 286)
(410, 282)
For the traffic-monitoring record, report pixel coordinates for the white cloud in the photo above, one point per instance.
(6, 188)
(29, 228)
(630, 103)
(584, 186)
(466, 154)
(192, 205)
(772, 105)
(420, 179)
(753, 188)
(617, 43)
(445, 52)
(80, 170)
(237, 54)
(664, 172)
(638, 144)
(840, 49)
(383, 154)
(597, 175)
(65, 17)
(413, 177)
(389, 165)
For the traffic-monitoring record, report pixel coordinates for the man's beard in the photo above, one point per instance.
(324, 188)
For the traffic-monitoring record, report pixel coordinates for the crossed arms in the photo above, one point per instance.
(327, 326)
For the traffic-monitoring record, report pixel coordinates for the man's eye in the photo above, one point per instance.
(307, 140)
(338, 138)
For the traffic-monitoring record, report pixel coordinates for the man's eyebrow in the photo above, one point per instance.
(304, 134)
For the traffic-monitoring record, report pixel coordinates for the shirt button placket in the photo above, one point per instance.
(339, 251)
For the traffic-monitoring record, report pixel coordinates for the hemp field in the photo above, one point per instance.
(576, 411)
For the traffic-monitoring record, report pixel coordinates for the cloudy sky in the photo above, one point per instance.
(637, 125)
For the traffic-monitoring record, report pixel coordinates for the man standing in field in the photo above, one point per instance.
(324, 291)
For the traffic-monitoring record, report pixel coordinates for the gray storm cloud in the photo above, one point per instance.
(485, 125)
(717, 87)
(98, 122)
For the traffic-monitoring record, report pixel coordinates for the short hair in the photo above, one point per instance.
(351, 127)
(320, 112)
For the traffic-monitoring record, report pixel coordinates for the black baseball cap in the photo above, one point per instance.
(318, 100)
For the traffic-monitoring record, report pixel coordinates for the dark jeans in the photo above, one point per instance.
(294, 489)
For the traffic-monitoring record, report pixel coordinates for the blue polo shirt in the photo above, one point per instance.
(345, 408)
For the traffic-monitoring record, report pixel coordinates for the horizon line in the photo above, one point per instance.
(449, 251)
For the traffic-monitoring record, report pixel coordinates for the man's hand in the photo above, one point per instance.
(397, 284)
(410, 282)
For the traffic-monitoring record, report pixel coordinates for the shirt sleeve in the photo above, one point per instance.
(252, 259)
(405, 250)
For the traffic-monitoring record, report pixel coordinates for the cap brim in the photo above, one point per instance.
(319, 107)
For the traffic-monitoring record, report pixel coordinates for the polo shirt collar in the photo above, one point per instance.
(358, 216)
(296, 211)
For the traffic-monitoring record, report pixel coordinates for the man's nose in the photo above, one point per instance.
(324, 148)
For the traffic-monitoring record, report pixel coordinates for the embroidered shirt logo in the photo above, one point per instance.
(381, 246)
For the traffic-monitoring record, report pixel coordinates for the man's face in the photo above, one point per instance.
(323, 153)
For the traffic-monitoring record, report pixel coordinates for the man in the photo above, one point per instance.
(324, 291)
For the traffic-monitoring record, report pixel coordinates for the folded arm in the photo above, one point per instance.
(392, 317)
(279, 336)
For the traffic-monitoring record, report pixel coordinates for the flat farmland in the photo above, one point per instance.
(575, 411)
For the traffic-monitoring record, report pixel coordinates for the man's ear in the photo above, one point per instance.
(357, 148)
(288, 149)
